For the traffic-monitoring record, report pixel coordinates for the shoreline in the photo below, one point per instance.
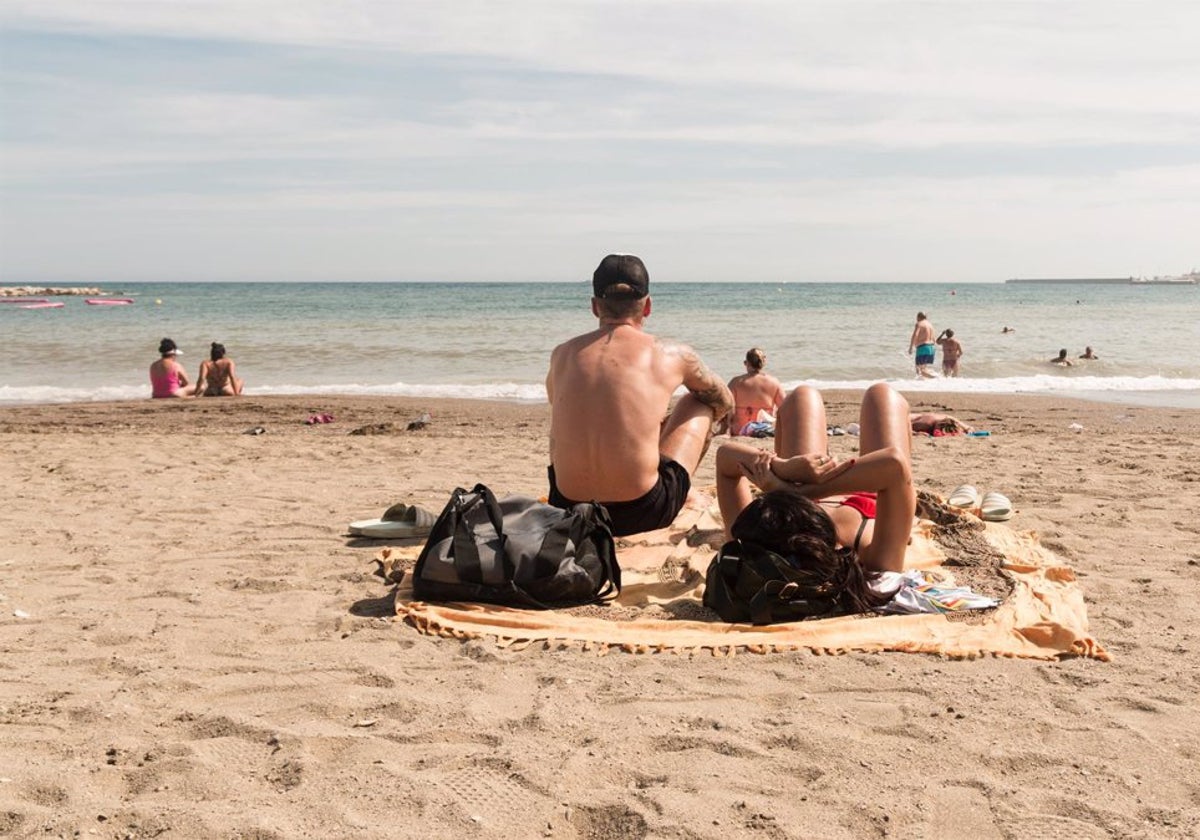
(1166, 399)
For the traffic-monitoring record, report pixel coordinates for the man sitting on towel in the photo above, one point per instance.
(609, 390)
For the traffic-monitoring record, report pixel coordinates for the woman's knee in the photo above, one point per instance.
(800, 401)
(729, 458)
(885, 396)
(803, 393)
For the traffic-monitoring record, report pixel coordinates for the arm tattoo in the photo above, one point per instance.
(705, 385)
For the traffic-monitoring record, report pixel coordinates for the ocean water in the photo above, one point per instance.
(493, 340)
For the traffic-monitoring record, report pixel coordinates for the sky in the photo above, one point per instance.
(242, 140)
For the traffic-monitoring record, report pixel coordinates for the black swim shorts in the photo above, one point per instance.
(656, 509)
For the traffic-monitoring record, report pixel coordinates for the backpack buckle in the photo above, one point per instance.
(783, 590)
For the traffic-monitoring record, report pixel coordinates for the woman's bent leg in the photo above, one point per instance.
(883, 419)
(800, 424)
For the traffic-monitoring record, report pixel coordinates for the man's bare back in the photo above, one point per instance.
(610, 390)
(752, 393)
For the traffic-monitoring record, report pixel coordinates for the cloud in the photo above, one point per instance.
(444, 137)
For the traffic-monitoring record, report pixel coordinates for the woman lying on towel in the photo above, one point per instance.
(846, 520)
(937, 425)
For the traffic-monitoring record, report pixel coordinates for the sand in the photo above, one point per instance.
(191, 646)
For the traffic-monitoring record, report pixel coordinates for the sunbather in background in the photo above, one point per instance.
(218, 375)
(167, 377)
(931, 423)
(753, 391)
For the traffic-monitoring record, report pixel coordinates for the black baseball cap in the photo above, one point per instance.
(625, 272)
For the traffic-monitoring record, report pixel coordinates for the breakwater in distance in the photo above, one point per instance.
(34, 291)
(1191, 279)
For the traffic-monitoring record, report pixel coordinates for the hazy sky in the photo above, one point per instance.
(374, 139)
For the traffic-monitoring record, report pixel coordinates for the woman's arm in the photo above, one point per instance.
(887, 473)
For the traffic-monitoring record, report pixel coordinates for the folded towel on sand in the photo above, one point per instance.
(1042, 616)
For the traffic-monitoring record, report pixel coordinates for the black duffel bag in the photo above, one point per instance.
(747, 583)
(518, 551)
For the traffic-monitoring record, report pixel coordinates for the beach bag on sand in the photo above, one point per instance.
(518, 551)
(747, 583)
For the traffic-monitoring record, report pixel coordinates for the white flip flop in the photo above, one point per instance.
(399, 521)
(995, 507)
(965, 496)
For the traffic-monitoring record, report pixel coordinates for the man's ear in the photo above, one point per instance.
(596, 307)
(646, 308)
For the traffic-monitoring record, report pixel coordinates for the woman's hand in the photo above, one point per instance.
(803, 474)
(811, 469)
(760, 474)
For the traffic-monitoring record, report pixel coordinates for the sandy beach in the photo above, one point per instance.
(194, 647)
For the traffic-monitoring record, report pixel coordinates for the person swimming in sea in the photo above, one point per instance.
(1061, 359)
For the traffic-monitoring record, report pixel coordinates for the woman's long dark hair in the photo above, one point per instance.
(217, 352)
(799, 530)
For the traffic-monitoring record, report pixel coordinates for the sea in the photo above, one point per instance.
(492, 341)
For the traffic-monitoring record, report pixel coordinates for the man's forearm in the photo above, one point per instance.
(718, 398)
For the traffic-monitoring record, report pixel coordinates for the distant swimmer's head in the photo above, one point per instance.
(621, 277)
(217, 352)
(756, 358)
(167, 347)
(1062, 354)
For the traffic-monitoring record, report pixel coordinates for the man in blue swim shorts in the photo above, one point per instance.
(922, 342)
(609, 391)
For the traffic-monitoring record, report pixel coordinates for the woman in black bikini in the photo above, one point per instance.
(218, 375)
(849, 519)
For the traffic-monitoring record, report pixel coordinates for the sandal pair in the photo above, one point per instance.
(991, 507)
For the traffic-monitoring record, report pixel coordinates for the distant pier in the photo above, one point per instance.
(1110, 281)
(1184, 280)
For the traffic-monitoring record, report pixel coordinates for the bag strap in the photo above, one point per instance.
(598, 519)
(466, 555)
(773, 593)
(466, 552)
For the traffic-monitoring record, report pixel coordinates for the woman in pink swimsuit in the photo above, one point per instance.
(844, 521)
(167, 377)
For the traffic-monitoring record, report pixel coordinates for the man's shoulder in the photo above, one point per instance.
(575, 341)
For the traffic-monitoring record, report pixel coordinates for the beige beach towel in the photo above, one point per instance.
(660, 609)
